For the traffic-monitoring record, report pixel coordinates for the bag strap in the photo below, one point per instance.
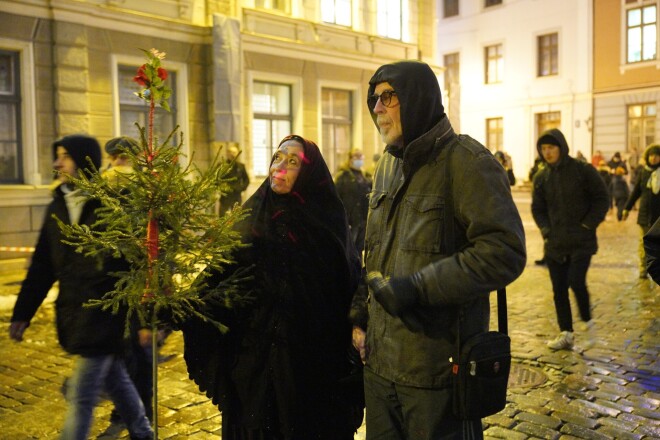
(449, 246)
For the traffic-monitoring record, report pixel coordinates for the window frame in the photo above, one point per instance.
(180, 91)
(642, 142)
(542, 126)
(29, 150)
(452, 70)
(542, 52)
(13, 99)
(496, 132)
(402, 31)
(295, 101)
(271, 117)
(268, 6)
(491, 3)
(336, 158)
(627, 8)
(334, 7)
(453, 7)
(499, 64)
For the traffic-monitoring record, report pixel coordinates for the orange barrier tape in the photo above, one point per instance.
(16, 249)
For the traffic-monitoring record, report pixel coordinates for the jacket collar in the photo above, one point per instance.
(419, 151)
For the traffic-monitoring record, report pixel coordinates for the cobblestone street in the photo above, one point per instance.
(609, 391)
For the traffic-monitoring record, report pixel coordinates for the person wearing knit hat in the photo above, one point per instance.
(121, 145)
(120, 162)
(82, 149)
(569, 201)
(93, 334)
(647, 191)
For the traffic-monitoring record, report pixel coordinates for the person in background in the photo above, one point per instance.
(139, 351)
(606, 173)
(278, 372)
(238, 181)
(93, 334)
(539, 164)
(579, 156)
(505, 160)
(596, 158)
(647, 191)
(423, 284)
(119, 160)
(620, 191)
(569, 201)
(617, 162)
(652, 249)
(353, 189)
(369, 173)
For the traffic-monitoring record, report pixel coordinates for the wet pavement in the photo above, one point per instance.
(608, 391)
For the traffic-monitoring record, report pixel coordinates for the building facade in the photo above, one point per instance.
(243, 72)
(626, 77)
(514, 68)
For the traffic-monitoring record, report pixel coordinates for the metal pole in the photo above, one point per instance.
(154, 373)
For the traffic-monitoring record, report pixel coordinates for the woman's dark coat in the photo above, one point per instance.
(281, 364)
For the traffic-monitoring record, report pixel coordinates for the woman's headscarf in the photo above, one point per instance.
(313, 200)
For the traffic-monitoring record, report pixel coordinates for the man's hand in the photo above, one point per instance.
(16, 329)
(144, 337)
(397, 296)
(359, 337)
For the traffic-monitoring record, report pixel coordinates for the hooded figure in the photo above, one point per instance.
(420, 274)
(564, 209)
(279, 371)
(82, 149)
(569, 201)
(647, 191)
(420, 100)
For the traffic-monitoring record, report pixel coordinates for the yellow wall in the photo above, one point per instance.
(609, 53)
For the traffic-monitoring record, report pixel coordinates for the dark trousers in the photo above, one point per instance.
(570, 273)
(397, 412)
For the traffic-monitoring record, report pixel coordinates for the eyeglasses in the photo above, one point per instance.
(385, 98)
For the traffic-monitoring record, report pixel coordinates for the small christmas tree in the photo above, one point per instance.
(160, 218)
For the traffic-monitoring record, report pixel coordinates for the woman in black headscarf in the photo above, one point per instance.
(280, 371)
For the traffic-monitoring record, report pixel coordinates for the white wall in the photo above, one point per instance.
(516, 24)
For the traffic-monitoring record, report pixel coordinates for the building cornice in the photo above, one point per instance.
(111, 18)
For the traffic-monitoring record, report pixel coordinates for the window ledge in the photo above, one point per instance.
(640, 65)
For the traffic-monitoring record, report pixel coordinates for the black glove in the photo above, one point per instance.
(397, 296)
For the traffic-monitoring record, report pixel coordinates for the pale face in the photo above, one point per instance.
(388, 119)
(117, 160)
(551, 153)
(232, 152)
(285, 167)
(64, 164)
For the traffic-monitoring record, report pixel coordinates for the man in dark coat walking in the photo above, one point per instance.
(569, 201)
(90, 332)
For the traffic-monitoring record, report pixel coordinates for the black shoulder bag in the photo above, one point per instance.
(482, 363)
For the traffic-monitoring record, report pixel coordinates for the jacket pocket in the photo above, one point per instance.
(375, 218)
(422, 228)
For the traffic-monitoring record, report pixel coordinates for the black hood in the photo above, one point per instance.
(553, 137)
(80, 147)
(418, 91)
(651, 149)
